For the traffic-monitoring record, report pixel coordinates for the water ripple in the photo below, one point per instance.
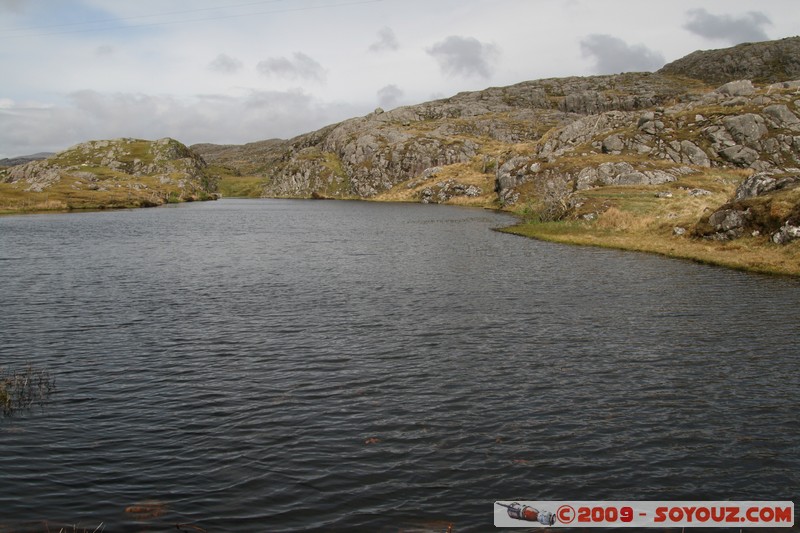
(285, 366)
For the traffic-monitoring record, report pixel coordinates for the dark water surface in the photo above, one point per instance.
(335, 366)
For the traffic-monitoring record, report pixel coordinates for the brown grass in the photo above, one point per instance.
(470, 173)
(756, 254)
(633, 218)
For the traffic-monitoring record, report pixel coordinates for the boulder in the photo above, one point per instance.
(763, 183)
(728, 224)
(737, 88)
(746, 129)
(786, 234)
(755, 185)
(613, 144)
(738, 155)
(694, 155)
(782, 117)
(447, 189)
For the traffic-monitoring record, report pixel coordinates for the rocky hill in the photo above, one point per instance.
(101, 174)
(21, 160)
(765, 62)
(540, 145)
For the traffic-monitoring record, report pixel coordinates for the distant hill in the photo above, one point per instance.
(21, 160)
(108, 173)
(765, 62)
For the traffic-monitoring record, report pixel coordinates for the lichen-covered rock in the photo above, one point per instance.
(447, 189)
(763, 183)
(786, 234)
(621, 173)
(746, 129)
(782, 117)
(739, 155)
(737, 88)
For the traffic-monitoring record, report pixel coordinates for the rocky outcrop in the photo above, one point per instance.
(766, 62)
(446, 190)
(144, 172)
(763, 204)
(762, 183)
(367, 155)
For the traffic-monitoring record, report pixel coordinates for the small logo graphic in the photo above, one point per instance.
(565, 514)
(644, 514)
(528, 513)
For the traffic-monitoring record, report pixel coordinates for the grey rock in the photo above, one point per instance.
(746, 129)
(699, 192)
(510, 174)
(678, 231)
(739, 155)
(735, 102)
(612, 144)
(794, 84)
(762, 183)
(719, 136)
(447, 189)
(620, 173)
(755, 185)
(782, 117)
(728, 219)
(664, 194)
(737, 88)
(786, 234)
(430, 172)
(694, 155)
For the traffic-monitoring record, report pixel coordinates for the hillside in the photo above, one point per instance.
(107, 174)
(766, 62)
(662, 152)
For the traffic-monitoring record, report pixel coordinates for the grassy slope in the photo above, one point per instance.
(635, 219)
(85, 184)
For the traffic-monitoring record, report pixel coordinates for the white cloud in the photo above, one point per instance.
(225, 64)
(728, 28)
(387, 41)
(465, 56)
(389, 96)
(300, 67)
(13, 5)
(253, 115)
(613, 55)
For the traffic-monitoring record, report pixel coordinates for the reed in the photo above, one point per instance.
(20, 389)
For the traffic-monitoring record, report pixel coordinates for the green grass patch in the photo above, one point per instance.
(241, 186)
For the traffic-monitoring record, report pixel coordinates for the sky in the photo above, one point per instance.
(236, 71)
